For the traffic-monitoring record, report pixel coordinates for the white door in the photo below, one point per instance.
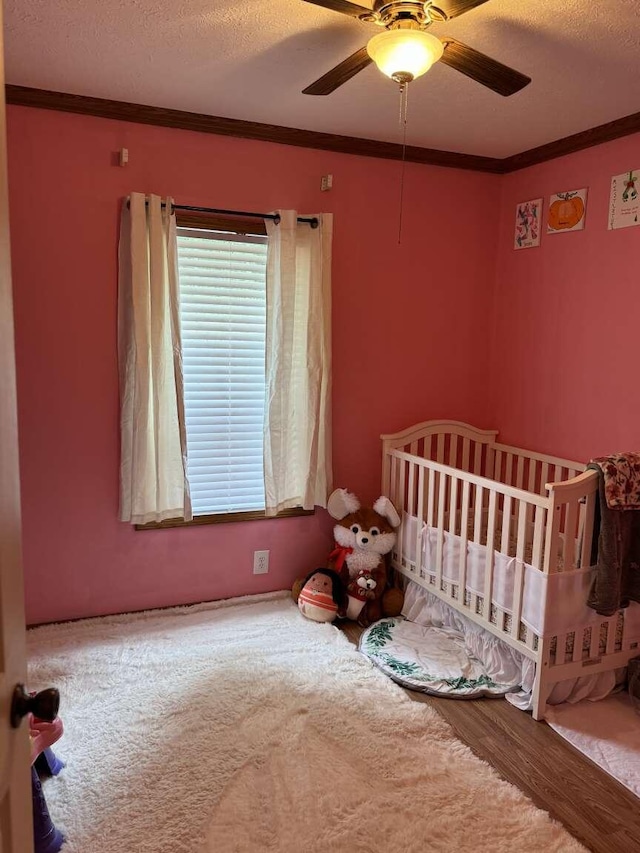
(16, 827)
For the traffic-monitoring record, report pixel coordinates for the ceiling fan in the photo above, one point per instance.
(405, 50)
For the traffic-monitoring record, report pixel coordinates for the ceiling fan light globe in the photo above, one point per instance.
(404, 52)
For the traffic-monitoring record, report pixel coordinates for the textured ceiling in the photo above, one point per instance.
(250, 60)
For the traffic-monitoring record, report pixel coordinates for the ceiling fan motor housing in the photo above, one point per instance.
(404, 13)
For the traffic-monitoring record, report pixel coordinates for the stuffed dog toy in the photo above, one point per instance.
(363, 538)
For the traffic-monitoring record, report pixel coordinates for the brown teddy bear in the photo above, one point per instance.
(363, 538)
(359, 591)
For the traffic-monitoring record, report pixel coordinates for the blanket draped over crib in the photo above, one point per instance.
(617, 545)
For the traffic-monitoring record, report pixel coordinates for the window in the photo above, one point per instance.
(223, 319)
(256, 424)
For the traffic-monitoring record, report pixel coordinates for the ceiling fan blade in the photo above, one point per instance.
(480, 67)
(330, 81)
(453, 8)
(344, 7)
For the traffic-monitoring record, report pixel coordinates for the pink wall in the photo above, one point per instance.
(410, 341)
(565, 350)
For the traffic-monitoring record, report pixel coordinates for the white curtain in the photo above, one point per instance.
(297, 443)
(153, 480)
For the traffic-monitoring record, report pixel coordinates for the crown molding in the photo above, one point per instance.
(142, 114)
(570, 144)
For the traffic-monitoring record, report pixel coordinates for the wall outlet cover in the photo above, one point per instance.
(260, 562)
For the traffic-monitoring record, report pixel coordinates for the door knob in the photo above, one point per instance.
(43, 705)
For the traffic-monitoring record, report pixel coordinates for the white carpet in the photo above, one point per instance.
(244, 727)
(607, 732)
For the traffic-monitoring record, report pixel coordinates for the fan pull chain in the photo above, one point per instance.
(404, 99)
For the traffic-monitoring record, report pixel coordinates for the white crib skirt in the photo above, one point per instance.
(551, 604)
(501, 662)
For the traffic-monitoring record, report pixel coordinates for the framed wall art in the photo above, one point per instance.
(624, 201)
(567, 211)
(528, 221)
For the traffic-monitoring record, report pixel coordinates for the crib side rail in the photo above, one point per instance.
(604, 644)
(395, 456)
(529, 470)
(466, 531)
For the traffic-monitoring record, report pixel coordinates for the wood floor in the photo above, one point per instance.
(594, 807)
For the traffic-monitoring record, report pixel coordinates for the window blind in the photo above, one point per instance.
(223, 322)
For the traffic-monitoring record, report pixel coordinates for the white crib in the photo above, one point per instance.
(504, 536)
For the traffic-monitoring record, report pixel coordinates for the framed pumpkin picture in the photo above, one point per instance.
(567, 211)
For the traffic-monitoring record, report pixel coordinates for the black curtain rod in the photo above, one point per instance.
(313, 222)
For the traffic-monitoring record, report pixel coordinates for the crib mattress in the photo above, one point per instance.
(430, 659)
